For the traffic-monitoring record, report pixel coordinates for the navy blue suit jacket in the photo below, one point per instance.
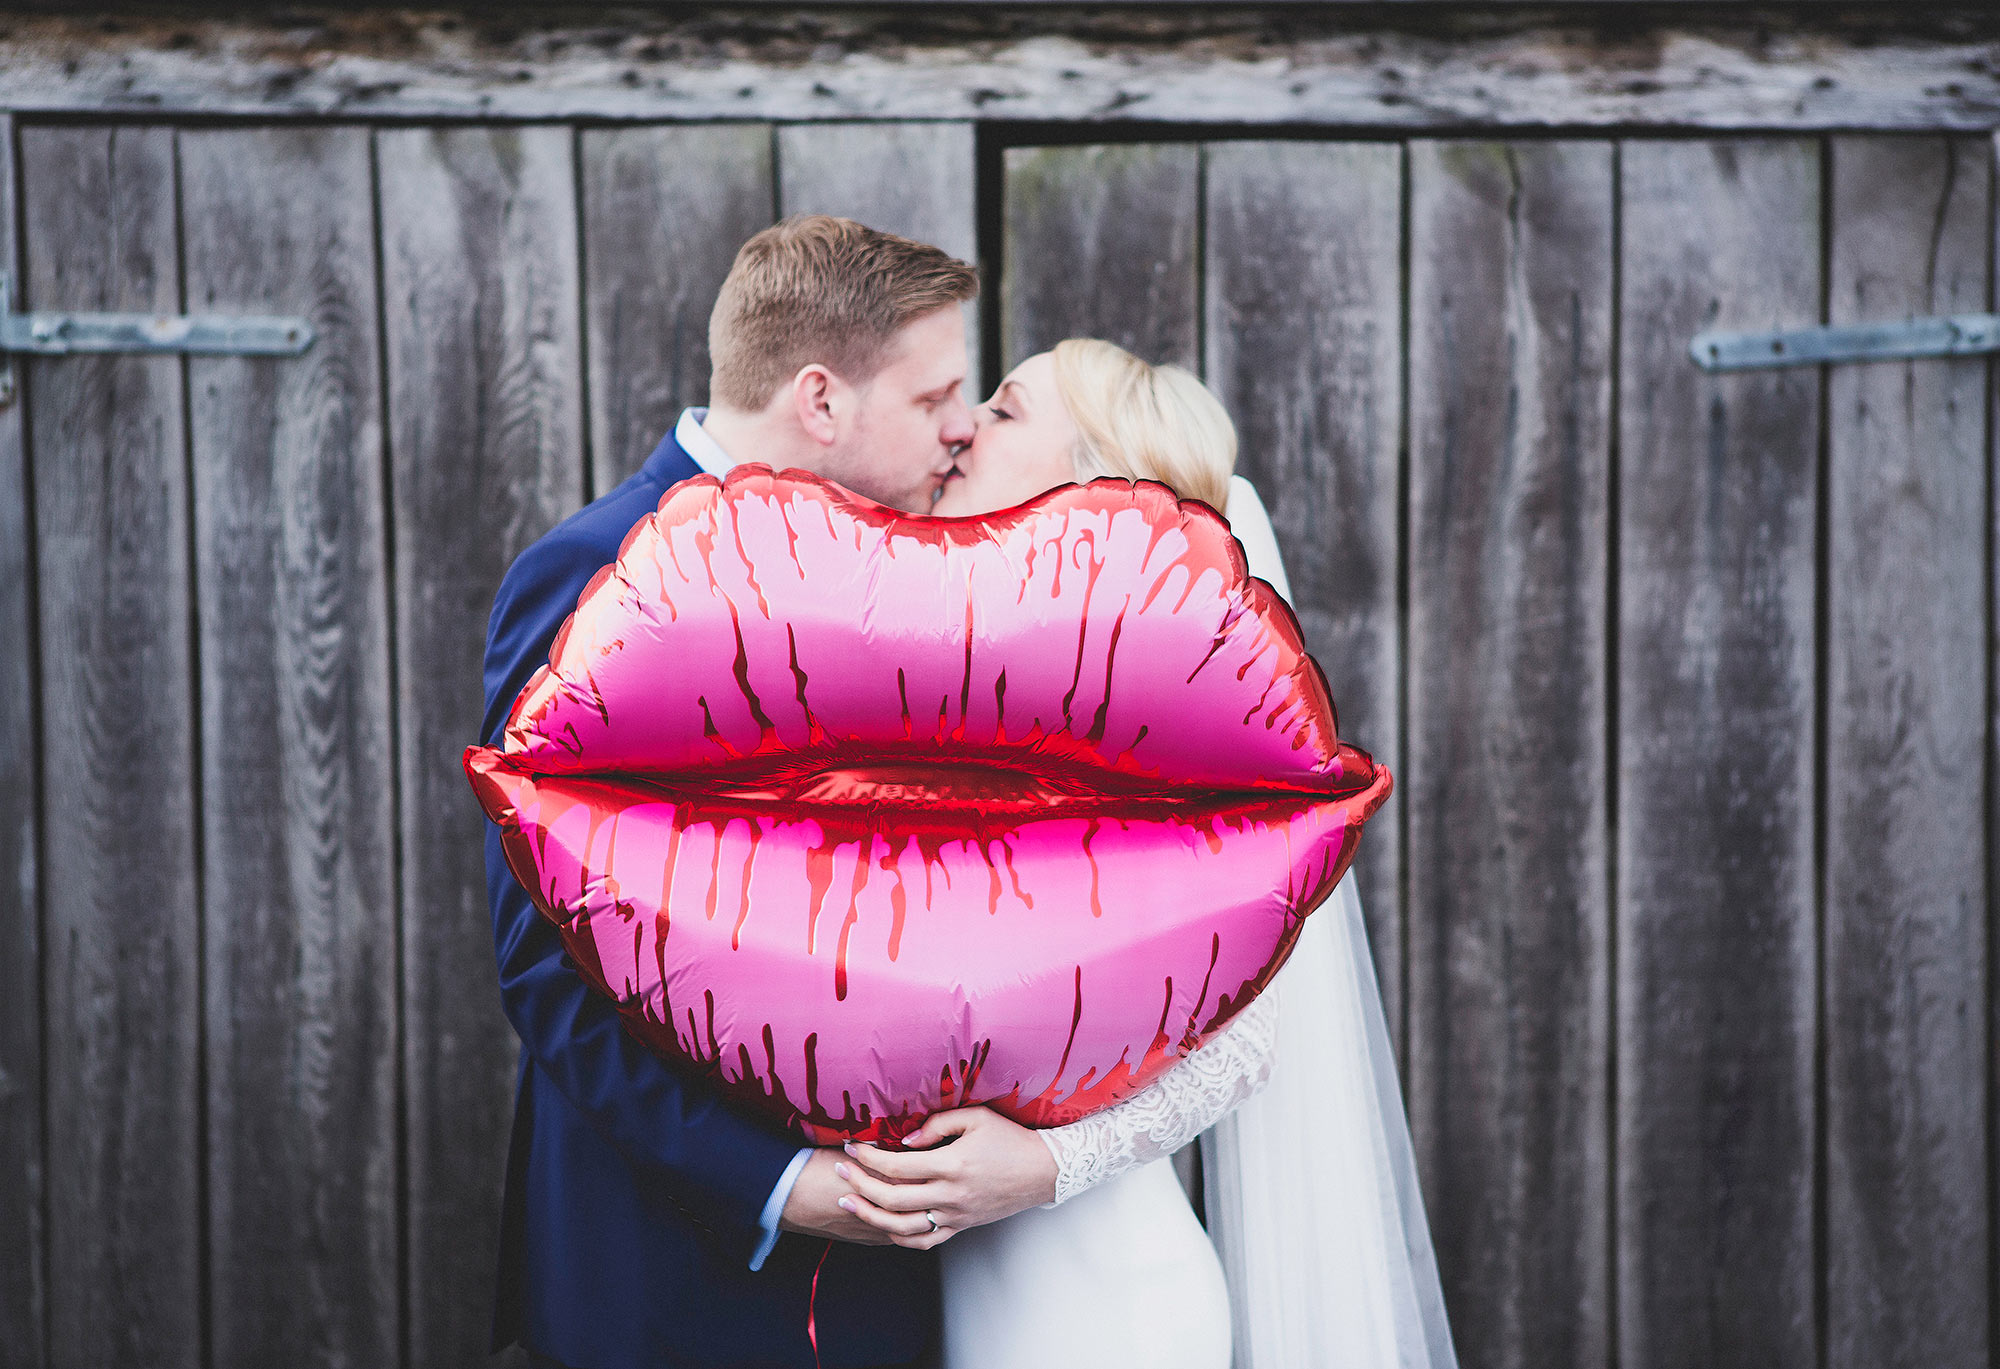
(633, 1192)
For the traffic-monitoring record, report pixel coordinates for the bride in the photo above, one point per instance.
(1317, 1253)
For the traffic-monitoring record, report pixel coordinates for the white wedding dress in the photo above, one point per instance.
(1320, 1257)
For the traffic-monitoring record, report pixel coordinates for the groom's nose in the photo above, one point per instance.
(957, 428)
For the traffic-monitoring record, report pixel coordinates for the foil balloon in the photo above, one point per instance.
(862, 814)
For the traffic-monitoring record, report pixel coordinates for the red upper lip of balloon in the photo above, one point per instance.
(1100, 639)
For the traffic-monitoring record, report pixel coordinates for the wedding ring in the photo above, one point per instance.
(931, 1217)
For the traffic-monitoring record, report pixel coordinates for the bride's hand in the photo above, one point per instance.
(992, 1169)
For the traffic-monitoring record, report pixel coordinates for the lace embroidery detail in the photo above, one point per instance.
(1172, 1110)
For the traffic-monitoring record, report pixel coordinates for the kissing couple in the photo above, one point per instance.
(649, 1224)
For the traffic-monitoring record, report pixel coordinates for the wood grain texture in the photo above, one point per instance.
(1991, 580)
(918, 179)
(1908, 1280)
(123, 982)
(1100, 242)
(1304, 335)
(23, 1287)
(1531, 67)
(664, 211)
(1715, 980)
(480, 285)
(298, 886)
(1506, 784)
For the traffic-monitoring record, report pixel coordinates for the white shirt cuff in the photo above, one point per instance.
(774, 1206)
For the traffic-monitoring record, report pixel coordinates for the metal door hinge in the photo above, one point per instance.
(1953, 335)
(58, 334)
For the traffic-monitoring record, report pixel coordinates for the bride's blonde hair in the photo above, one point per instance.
(1145, 422)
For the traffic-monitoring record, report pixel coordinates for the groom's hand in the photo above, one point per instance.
(991, 1169)
(814, 1205)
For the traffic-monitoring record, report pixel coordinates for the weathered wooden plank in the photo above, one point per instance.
(1715, 663)
(1303, 282)
(22, 1277)
(298, 888)
(916, 179)
(1510, 443)
(119, 882)
(664, 210)
(480, 286)
(1100, 242)
(1397, 66)
(1908, 1278)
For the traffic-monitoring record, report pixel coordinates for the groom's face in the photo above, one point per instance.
(909, 421)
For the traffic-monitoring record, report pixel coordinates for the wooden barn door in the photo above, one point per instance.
(244, 603)
(1681, 906)
(1680, 909)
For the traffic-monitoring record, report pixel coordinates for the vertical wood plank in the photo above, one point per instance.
(1510, 445)
(1991, 830)
(298, 886)
(664, 210)
(480, 284)
(1303, 282)
(119, 767)
(917, 179)
(1908, 1280)
(1101, 242)
(22, 1275)
(1715, 980)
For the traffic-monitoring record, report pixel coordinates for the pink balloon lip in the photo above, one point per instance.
(1102, 632)
(652, 884)
(778, 683)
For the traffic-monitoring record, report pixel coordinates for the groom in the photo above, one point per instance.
(642, 1214)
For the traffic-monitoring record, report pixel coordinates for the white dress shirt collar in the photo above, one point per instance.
(706, 452)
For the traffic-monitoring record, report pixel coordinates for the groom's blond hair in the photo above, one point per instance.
(817, 289)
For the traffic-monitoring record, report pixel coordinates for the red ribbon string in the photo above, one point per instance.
(812, 1327)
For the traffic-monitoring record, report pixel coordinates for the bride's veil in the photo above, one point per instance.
(1311, 1186)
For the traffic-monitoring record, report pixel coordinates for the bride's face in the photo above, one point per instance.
(1021, 445)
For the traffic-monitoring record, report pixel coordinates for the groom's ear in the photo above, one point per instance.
(819, 399)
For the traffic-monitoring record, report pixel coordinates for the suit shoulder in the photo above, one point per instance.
(587, 540)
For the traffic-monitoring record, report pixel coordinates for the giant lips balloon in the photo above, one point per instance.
(863, 815)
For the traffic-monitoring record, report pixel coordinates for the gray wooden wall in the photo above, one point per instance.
(1681, 907)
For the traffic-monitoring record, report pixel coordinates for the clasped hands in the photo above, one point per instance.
(965, 1167)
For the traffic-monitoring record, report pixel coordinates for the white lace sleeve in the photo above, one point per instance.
(1172, 1110)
